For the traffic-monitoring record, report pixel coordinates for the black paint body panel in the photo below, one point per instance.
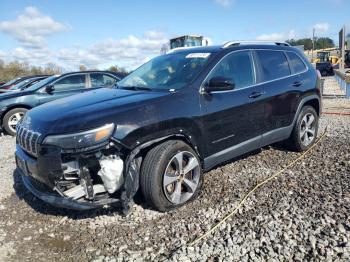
(218, 125)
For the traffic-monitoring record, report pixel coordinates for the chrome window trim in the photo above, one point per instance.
(201, 88)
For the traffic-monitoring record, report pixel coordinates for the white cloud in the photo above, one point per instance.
(225, 3)
(281, 36)
(321, 27)
(129, 52)
(31, 27)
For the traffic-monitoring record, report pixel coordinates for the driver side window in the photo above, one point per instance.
(238, 67)
(70, 83)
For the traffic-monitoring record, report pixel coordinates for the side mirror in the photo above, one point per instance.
(49, 89)
(219, 84)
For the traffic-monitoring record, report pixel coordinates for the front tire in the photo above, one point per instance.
(171, 175)
(12, 118)
(305, 130)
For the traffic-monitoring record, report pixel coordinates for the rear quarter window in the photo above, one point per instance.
(273, 65)
(295, 63)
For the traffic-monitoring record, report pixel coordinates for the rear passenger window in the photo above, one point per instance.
(273, 64)
(238, 66)
(295, 63)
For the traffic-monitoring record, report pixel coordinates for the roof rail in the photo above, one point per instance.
(250, 42)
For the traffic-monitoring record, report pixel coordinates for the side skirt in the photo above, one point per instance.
(247, 146)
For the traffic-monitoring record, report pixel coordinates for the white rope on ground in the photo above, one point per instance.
(241, 203)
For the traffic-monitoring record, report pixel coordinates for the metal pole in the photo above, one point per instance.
(313, 45)
(343, 50)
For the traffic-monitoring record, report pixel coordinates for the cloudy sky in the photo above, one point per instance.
(127, 33)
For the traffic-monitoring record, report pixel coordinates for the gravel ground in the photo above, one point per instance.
(332, 87)
(301, 216)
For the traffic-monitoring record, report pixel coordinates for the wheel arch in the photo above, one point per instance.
(182, 137)
(312, 100)
(143, 148)
(11, 107)
(315, 103)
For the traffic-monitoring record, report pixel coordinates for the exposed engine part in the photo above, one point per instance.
(79, 191)
(111, 172)
(86, 182)
(71, 170)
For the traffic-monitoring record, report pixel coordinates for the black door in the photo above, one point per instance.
(233, 118)
(282, 89)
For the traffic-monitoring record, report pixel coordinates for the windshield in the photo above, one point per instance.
(11, 81)
(167, 72)
(42, 83)
(20, 85)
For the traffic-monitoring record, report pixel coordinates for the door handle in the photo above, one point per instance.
(256, 94)
(297, 83)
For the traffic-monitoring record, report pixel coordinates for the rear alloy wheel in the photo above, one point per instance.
(12, 118)
(305, 130)
(171, 175)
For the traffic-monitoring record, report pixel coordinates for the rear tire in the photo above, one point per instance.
(11, 119)
(166, 181)
(305, 130)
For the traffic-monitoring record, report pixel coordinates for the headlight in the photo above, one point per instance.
(81, 140)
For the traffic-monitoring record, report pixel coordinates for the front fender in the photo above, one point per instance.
(132, 136)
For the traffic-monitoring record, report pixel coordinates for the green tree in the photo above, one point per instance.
(82, 68)
(306, 42)
(320, 43)
(118, 69)
(323, 42)
(15, 69)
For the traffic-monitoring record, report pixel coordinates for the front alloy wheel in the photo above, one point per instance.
(171, 175)
(12, 118)
(181, 177)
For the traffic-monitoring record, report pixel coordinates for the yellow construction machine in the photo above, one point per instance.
(325, 55)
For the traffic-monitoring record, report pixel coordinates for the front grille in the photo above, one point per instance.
(27, 139)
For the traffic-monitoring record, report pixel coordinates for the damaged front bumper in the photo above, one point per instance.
(80, 181)
(65, 202)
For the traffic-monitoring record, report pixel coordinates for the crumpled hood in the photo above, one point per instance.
(87, 110)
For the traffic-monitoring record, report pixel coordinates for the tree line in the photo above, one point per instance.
(14, 69)
(113, 68)
(320, 42)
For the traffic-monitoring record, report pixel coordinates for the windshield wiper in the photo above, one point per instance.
(137, 88)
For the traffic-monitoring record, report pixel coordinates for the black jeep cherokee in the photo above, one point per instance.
(167, 122)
